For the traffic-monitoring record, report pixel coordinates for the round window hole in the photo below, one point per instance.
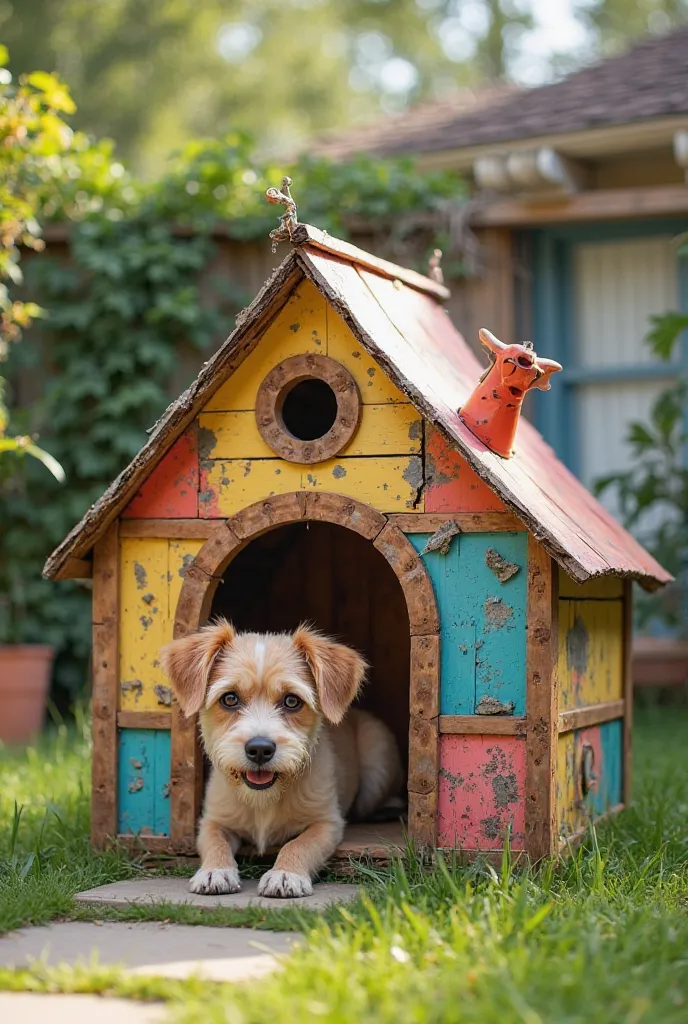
(309, 409)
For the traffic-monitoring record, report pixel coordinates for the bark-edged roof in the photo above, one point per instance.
(395, 314)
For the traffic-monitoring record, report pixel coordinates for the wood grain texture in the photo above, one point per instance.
(628, 692)
(143, 772)
(105, 686)
(468, 522)
(483, 650)
(606, 588)
(144, 719)
(424, 700)
(389, 483)
(450, 483)
(541, 702)
(394, 428)
(482, 725)
(76, 569)
(177, 529)
(171, 490)
(592, 714)
(590, 652)
(414, 580)
(481, 792)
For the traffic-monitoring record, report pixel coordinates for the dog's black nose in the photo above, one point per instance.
(260, 749)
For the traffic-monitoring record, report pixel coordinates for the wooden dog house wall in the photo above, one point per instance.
(517, 610)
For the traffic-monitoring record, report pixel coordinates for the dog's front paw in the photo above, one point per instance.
(214, 881)
(284, 885)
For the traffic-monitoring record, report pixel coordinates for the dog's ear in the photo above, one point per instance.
(188, 662)
(338, 671)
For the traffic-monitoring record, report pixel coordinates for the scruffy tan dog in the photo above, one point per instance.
(286, 763)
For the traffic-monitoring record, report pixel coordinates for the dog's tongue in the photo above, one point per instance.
(260, 778)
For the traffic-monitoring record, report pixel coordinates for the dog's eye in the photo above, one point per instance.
(229, 700)
(292, 702)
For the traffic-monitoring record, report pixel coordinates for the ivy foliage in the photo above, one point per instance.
(119, 311)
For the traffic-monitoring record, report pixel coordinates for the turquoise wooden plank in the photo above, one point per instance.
(482, 621)
(610, 790)
(143, 782)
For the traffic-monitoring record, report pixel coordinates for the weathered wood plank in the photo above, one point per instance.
(177, 529)
(424, 697)
(105, 679)
(171, 490)
(450, 483)
(606, 588)
(468, 522)
(628, 691)
(592, 714)
(590, 655)
(414, 579)
(483, 647)
(541, 703)
(143, 792)
(373, 383)
(391, 429)
(482, 725)
(481, 792)
(388, 483)
(76, 569)
(576, 806)
(144, 719)
(600, 204)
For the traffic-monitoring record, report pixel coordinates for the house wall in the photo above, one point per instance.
(590, 671)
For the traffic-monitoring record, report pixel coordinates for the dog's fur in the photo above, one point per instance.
(325, 764)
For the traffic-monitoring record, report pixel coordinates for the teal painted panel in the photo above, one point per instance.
(610, 790)
(143, 782)
(483, 621)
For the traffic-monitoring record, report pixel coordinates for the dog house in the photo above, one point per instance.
(318, 469)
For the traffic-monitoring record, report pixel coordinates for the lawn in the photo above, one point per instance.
(601, 937)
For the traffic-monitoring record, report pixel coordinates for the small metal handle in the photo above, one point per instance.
(588, 776)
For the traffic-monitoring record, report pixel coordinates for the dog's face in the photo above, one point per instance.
(262, 698)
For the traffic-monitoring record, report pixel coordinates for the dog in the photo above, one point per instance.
(288, 762)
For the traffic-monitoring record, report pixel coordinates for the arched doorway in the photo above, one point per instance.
(350, 570)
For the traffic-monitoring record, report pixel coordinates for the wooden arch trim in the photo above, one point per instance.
(200, 582)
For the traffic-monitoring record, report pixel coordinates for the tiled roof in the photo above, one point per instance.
(648, 81)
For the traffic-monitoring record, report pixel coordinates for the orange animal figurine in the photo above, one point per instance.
(493, 409)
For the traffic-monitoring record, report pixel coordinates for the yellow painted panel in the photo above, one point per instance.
(606, 587)
(373, 383)
(144, 621)
(569, 815)
(387, 483)
(181, 553)
(300, 326)
(590, 662)
(383, 430)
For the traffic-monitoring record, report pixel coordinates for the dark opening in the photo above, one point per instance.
(309, 409)
(334, 578)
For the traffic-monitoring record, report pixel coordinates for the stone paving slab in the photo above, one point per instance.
(173, 889)
(150, 948)
(31, 1008)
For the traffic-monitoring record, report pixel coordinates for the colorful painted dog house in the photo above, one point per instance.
(318, 469)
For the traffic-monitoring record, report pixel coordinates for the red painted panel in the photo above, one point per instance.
(451, 484)
(171, 490)
(482, 792)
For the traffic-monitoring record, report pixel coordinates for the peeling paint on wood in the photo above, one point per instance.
(143, 775)
(150, 584)
(171, 490)
(490, 706)
(481, 792)
(483, 635)
(604, 589)
(442, 538)
(590, 659)
(502, 569)
(228, 487)
(383, 430)
(450, 483)
(374, 385)
(604, 746)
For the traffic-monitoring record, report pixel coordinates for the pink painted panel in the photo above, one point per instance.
(482, 791)
(451, 484)
(171, 490)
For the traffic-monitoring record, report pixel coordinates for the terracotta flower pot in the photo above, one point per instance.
(24, 681)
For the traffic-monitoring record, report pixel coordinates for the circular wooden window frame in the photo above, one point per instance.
(201, 579)
(274, 390)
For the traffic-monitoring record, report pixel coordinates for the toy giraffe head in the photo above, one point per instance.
(493, 409)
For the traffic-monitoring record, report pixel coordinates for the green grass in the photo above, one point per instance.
(601, 937)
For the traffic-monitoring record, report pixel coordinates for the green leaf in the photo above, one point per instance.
(666, 331)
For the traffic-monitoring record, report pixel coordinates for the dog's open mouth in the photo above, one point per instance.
(259, 780)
